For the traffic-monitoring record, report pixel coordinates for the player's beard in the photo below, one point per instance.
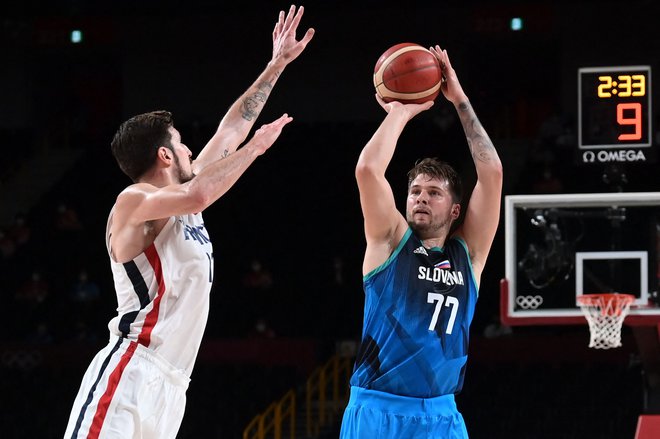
(183, 176)
(430, 229)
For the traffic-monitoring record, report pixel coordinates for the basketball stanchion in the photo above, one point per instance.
(605, 314)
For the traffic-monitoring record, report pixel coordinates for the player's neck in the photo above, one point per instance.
(435, 237)
(433, 242)
(158, 178)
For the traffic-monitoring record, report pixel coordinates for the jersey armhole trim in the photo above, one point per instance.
(394, 254)
(467, 252)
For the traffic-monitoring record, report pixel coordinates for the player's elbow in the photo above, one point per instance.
(365, 171)
(497, 169)
(232, 136)
(493, 172)
(199, 197)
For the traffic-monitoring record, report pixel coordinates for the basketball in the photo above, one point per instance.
(408, 73)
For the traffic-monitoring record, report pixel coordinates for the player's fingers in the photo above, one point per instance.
(446, 59)
(297, 18)
(281, 121)
(280, 22)
(277, 30)
(289, 18)
(442, 57)
(385, 105)
(308, 36)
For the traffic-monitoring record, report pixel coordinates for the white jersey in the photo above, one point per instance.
(163, 294)
(135, 388)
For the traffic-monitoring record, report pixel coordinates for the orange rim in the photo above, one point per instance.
(618, 302)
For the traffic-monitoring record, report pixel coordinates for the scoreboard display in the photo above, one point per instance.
(614, 107)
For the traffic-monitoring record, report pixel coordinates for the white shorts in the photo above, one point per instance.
(128, 392)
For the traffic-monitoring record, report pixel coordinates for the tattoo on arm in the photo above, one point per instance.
(225, 153)
(481, 147)
(253, 104)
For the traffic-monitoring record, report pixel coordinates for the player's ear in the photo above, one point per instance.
(455, 211)
(164, 154)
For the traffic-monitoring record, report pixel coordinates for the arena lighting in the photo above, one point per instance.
(76, 36)
(516, 24)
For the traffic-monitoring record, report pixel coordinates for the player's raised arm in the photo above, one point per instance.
(483, 210)
(143, 201)
(383, 224)
(241, 116)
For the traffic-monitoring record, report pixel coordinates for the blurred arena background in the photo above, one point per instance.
(288, 297)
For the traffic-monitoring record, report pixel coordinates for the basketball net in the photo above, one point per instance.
(605, 314)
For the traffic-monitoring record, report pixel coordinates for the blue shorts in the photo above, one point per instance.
(372, 414)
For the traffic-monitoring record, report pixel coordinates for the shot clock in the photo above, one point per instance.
(614, 107)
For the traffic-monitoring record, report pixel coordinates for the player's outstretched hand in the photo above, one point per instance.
(451, 88)
(265, 136)
(411, 110)
(285, 46)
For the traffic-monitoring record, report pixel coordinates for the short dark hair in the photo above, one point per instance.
(137, 140)
(435, 168)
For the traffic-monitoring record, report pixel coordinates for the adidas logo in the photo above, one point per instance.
(420, 250)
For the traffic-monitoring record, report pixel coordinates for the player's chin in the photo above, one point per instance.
(421, 218)
(418, 224)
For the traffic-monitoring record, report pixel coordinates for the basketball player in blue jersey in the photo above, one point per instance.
(162, 259)
(420, 281)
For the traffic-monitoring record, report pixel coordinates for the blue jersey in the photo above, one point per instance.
(418, 308)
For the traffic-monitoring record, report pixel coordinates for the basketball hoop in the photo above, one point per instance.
(605, 314)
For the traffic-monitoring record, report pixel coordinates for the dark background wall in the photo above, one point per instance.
(297, 208)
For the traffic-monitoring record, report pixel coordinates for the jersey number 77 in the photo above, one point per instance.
(448, 302)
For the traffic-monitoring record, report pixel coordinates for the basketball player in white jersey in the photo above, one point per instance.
(162, 258)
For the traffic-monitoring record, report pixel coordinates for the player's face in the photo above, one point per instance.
(430, 208)
(182, 157)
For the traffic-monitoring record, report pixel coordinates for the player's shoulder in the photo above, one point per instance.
(129, 199)
(458, 240)
(137, 188)
(134, 193)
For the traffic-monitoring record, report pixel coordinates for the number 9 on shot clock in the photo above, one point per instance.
(614, 107)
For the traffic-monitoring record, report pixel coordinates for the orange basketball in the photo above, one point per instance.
(407, 73)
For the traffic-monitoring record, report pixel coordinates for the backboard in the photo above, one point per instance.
(560, 246)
